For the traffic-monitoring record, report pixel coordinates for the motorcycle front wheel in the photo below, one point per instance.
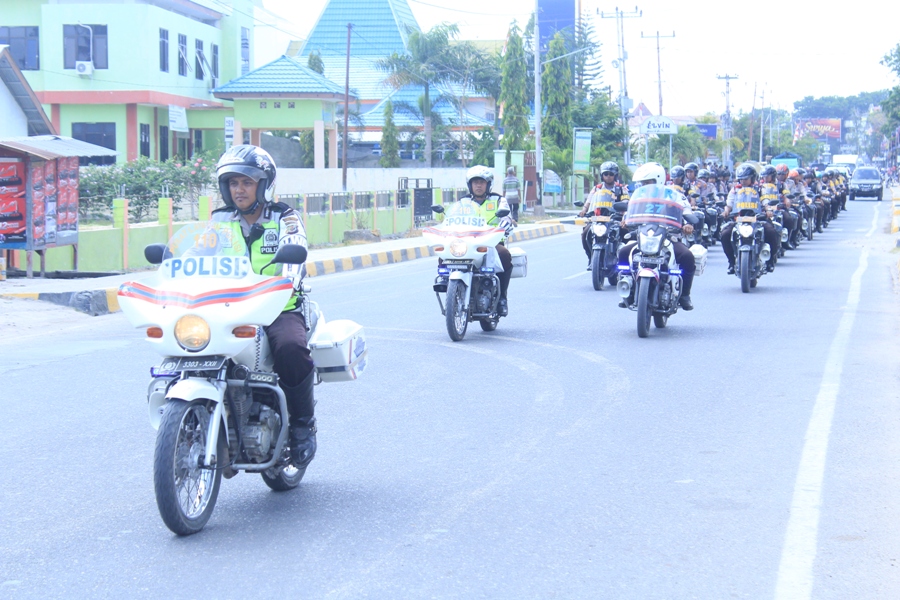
(745, 272)
(489, 324)
(185, 491)
(457, 313)
(643, 308)
(598, 272)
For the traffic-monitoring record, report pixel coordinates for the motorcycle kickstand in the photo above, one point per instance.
(441, 304)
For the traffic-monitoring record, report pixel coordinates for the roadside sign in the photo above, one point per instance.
(658, 125)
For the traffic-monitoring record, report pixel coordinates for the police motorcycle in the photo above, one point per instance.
(606, 236)
(750, 249)
(651, 282)
(214, 398)
(468, 263)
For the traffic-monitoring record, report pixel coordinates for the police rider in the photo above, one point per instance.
(478, 180)
(246, 177)
(654, 173)
(744, 191)
(609, 189)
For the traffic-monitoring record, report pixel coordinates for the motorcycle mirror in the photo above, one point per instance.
(578, 204)
(437, 208)
(502, 213)
(773, 202)
(289, 254)
(156, 253)
(695, 195)
(620, 206)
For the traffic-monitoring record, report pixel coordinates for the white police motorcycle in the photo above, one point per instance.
(214, 398)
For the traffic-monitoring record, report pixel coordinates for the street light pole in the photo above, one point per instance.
(726, 134)
(658, 64)
(538, 109)
(346, 112)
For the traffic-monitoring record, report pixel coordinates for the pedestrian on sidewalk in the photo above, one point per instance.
(511, 190)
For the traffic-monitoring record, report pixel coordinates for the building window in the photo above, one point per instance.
(262, 105)
(24, 46)
(277, 104)
(215, 62)
(102, 134)
(85, 43)
(145, 140)
(182, 55)
(291, 105)
(199, 59)
(164, 50)
(245, 50)
(198, 141)
(163, 143)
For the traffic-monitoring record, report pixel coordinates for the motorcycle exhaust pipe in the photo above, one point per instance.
(766, 253)
(624, 286)
(784, 235)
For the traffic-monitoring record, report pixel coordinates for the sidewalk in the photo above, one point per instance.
(97, 296)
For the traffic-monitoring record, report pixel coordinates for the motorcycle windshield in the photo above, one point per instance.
(463, 219)
(212, 249)
(654, 204)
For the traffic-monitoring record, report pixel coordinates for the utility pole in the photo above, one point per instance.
(726, 125)
(538, 110)
(346, 112)
(620, 17)
(762, 125)
(658, 64)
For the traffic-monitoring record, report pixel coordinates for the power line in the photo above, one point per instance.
(468, 12)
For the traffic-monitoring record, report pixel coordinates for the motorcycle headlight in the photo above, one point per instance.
(875, 186)
(649, 244)
(854, 186)
(192, 333)
(745, 230)
(599, 230)
(458, 248)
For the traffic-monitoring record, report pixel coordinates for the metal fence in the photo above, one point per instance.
(453, 194)
(316, 203)
(340, 202)
(383, 199)
(362, 200)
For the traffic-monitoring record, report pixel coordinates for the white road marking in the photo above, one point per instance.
(577, 275)
(795, 572)
(874, 222)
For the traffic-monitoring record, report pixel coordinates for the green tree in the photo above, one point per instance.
(588, 68)
(556, 95)
(512, 93)
(425, 64)
(687, 145)
(484, 146)
(602, 116)
(390, 140)
(315, 63)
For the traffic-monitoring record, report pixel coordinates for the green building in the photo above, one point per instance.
(134, 77)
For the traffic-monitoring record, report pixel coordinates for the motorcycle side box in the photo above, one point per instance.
(700, 254)
(339, 350)
(519, 262)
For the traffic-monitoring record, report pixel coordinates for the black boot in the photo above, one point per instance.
(302, 421)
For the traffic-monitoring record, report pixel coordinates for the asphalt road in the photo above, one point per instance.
(748, 450)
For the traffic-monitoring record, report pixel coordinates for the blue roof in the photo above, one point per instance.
(283, 75)
(410, 95)
(366, 79)
(379, 28)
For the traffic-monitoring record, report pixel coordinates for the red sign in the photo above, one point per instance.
(821, 129)
(12, 203)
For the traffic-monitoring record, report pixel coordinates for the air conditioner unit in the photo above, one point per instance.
(84, 67)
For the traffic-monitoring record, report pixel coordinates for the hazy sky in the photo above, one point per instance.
(787, 50)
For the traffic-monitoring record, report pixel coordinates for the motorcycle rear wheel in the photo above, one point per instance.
(489, 324)
(745, 272)
(287, 478)
(185, 493)
(457, 314)
(598, 273)
(643, 309)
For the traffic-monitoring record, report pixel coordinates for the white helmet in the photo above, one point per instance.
(650, 170)
(480, 172)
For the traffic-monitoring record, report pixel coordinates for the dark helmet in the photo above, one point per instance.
(676, 172)
(252, 161)
(745, 171)
(609, 167)
(692, 166)
(703, 174)
(768, 170)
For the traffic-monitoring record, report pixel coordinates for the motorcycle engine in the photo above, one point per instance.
(260, 433)
(484, 297)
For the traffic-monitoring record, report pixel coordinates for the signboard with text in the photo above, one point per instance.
(822, 130)
(581, 156)
(658, 126)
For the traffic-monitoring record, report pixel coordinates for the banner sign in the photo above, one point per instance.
(178, 119)
(38, 203)
(581, 162)
(706, 130)
(658, 125)
(821, 129)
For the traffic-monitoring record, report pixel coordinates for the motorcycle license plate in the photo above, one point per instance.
(604, 205)
(186, 363)
(601, 219)
(652, 260)
(746, 219)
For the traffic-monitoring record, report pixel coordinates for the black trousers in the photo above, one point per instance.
(514, 210)
(506, 261)
(769, 235)
(287, 340)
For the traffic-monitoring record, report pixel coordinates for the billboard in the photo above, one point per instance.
(823, 130)
(555, 15)
(582, 152)
(707, 131)
(38, 203)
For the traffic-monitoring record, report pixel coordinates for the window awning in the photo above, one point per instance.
(50, 147)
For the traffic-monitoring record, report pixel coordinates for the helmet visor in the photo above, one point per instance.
(229, 171)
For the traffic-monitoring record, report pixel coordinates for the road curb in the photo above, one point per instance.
(106, 301)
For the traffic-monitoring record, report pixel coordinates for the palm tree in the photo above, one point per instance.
(425, 63)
